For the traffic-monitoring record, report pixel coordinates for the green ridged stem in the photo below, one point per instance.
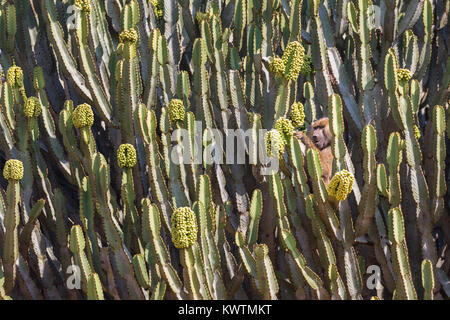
(368, 201)
(95, 291)
(438, 183)
(428, 279)
(77, 246)
(10, 252)
(400, 260)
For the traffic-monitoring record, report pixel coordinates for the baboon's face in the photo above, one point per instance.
(320, 134)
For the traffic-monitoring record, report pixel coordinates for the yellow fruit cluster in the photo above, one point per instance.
(158, 6)
(130, 35)
(404, 75)
(184, 227)
(32, 107)
(276, 66)
(341, 185)
(126, 156)
(297, 114)
(13, 170)
(14, 77)
(275, 143)
(285, 127)
(83, 116)
(293, 58)
(176, 110)
(83, 5)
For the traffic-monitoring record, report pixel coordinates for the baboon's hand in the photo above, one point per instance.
(300, 135)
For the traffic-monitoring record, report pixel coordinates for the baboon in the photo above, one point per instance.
(319, 137)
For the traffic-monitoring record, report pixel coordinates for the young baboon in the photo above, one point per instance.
(319, 137)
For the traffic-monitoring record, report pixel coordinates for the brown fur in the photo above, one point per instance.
(319, 137)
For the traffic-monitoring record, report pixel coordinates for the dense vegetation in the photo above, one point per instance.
(93, 91)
